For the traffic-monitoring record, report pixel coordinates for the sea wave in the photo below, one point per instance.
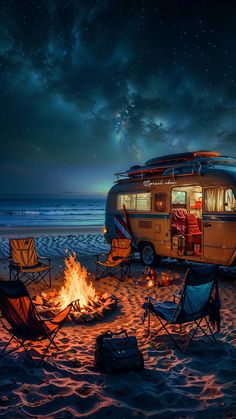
(49, 213)
(20, 213)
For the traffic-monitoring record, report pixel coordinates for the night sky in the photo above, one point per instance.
(89, 88)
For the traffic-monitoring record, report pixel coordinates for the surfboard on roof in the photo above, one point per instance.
(159, 165)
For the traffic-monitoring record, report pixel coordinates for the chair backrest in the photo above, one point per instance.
(179, 214)
(120, 248)
(179, 219)
(192, 224)
(23, 251)
(197, 291)
(17, 308)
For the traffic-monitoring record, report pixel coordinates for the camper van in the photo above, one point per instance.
(181, 206)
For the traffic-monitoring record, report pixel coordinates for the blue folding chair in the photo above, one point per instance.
(194, 304)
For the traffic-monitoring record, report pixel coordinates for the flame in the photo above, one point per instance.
(150, 283)
(75, 285)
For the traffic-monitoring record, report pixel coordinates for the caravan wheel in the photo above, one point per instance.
(148, 255)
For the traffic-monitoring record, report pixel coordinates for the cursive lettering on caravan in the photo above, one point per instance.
(149, 183)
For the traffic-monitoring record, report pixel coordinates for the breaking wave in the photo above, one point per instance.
(55, 213)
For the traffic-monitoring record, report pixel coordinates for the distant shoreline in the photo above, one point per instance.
(64, 230)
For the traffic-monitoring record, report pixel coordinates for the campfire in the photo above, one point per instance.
(88, 305)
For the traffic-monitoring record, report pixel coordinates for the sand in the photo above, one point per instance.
(199, 384)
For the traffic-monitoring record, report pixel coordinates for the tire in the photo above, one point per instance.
(148, 256)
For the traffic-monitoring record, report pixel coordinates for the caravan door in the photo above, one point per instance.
(161, 224)
(219, 225)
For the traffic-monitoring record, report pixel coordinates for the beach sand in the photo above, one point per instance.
(199, 384)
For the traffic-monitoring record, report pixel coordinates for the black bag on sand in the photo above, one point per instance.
(117, 354)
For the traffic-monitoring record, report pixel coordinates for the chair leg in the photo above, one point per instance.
(149, 319)
(211, 339)
(50, 278)
(5, 347)
(198, 325)
(28, 352)
(122, 274)
(170, 334)
(44, 354)
(129, 267)
(149, 324)
(211, 331)
(163, 326)
(55, 345)
(6, 353)
(51, 342)
(105, 272)
(125, 271)
(193, 334)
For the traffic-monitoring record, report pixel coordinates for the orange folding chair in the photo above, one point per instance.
(117, 262)
(25, 264)
(22, 321)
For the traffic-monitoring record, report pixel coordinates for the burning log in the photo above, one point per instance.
(87, 304)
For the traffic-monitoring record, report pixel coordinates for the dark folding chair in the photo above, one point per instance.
(20, 318)
(193, 306)
(25, 264)
(117, 262)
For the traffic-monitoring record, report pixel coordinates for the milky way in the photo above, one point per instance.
(89, 88)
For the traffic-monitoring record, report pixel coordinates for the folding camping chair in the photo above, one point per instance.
(25, 264)
(193, 306)
(26, 326)
(117, 262)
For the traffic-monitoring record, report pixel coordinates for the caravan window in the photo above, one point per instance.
(134, 201)
(229, 201)
(179, 199)
(219, 200)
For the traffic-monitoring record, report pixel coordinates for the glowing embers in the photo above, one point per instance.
(88, 305)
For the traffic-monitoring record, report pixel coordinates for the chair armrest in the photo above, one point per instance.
(132, 256)
(45, 258)
(62, 315)
(119, 257)
(4, 258)
(175, 295)
(101, 254)
(11, 262)
(58, 318)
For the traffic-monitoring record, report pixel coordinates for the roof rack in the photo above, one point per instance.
(181, 157)
(176, 165)
(184, 169)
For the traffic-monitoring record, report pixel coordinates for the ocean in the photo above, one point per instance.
(52, 212)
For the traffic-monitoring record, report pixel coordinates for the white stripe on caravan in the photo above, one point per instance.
(122, 229)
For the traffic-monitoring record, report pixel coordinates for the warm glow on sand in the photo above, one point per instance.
(75, 285)
(150, 283)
